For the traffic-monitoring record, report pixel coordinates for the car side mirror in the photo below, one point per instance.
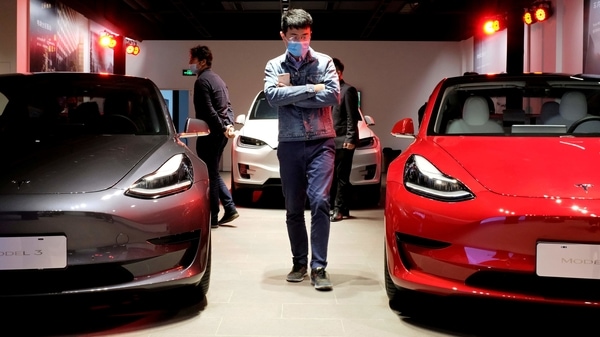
(369, 120)
(195, 128)
(240, 119)
(404, 128)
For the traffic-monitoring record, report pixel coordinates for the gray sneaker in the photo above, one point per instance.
(320, 279)
(297, 274)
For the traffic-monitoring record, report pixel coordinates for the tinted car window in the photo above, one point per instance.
(64, 107)
(262, 109)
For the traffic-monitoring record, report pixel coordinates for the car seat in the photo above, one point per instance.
(475, 118)
(573, 107)
(549, 110)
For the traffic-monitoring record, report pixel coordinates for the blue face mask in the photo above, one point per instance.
(194, 68)
(298, 49)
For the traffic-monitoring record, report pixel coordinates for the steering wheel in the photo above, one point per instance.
(121, 124)
(581, 121)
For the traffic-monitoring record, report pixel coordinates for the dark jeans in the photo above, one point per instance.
(210, 150)
(306, 170)
(341, 187)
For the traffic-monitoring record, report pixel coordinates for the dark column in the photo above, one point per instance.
(515, 44)
(119, 56)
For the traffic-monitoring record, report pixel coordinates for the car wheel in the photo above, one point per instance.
(402, 301)
(390, 287)
(366, 196)
(374, 193)
(204, 285)
(241, 196)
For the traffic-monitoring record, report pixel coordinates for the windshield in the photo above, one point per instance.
(262, 110)
(45, 107)
(518, 108)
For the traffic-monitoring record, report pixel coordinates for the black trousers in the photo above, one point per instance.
(210, 150)
(341, 188)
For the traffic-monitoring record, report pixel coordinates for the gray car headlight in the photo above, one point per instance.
(422, 178)
(366, 143)
(249, 141)
(174, 176)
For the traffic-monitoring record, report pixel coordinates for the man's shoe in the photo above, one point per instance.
(336, 215)
(320, 279)
(297, 274)
(229, 217)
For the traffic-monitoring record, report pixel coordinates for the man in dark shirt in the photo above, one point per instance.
(211, 102)
(345, 122)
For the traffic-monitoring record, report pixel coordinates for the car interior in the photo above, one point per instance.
(512, 109)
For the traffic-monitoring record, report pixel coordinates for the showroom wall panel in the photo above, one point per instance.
(395, 78)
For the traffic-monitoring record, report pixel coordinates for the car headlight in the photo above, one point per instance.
(422, 178)
(174, 176)
(249, 141)
(366, 143)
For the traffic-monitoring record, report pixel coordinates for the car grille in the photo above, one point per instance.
(548, 287)
(31, 282)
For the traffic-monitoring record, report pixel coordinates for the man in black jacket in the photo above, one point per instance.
(211, 102)
(345, 122)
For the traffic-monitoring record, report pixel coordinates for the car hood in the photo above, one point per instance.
(81, 165)
(263, 129)
(530, 167)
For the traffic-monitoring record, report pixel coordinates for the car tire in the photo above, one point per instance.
(390, 287)
(204, 284)
(374, 193)
(366, 196)
(241, 196)
(402, 301)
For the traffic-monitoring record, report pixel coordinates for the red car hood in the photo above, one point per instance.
(532, 166)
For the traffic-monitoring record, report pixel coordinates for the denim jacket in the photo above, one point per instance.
(303, 114)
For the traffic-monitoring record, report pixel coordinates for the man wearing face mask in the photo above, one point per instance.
(212, 105)
(303, 85)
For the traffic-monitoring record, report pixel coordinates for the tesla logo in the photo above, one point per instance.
(20, 183)
(585, 187)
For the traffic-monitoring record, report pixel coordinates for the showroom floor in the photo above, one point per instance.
(249, 296)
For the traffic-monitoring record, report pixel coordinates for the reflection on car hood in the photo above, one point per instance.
(80, 165)
(263, 129)
(530, 167)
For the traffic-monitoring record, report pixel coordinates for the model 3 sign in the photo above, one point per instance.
(36, 252)
(569, 260)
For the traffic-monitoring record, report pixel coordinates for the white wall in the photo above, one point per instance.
(557, 44)
(395, 78)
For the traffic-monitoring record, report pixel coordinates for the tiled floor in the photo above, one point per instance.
(249, 296)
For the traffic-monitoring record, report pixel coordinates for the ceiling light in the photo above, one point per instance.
(540, 11)
(107, 40)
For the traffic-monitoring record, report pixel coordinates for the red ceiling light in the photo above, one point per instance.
(542, 13)
(107, 40)
(539, 12)
(528, 17)
(492, 25)
(132, 48)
